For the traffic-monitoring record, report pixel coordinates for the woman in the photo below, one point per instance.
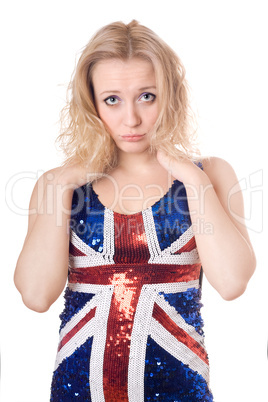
(135, 214)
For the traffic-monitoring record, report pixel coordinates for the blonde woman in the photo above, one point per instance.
(133, 218)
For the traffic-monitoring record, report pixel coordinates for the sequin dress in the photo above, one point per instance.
(131, 329)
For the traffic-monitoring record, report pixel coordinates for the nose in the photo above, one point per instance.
(132, 117)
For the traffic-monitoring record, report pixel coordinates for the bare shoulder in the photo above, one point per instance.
(219, 171)
(228, 190)
(74, 175)
(212, 163)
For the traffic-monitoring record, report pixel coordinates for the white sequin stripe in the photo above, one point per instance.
(104, 293)
(96, 327)
(77, 340)
(178, 319)
(151, 235)
(78, 316)
(181, 241)
(189, 258)
(173, 287)
(177, 349)
(167, 256)
(141, 329)
(98, 345)
(81, 245)
(94, 258)
(87, 287)
(108, 236)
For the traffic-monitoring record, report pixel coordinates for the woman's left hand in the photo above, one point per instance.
(183, 170)
(225, 251)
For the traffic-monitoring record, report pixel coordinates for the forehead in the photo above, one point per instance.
(132, 73)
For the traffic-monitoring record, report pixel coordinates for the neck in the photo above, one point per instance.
(136, 162)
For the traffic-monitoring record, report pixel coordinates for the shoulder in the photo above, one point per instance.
(210, 163)
(227, 187)
(72, 175)
(219, 171)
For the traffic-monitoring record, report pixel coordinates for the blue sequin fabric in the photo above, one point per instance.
(131, 329)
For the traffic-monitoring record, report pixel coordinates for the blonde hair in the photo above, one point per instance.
(84, 138)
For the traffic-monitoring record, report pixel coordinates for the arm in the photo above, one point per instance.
(42, 266)
(224, 247)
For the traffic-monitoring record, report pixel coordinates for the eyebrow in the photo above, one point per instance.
(117, 92)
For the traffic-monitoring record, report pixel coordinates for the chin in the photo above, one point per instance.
(134, 149)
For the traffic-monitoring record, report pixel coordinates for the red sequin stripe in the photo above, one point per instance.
(191, 245)
(116, 356)
(77, 327)
(143, 273)
(130, 239)
(75, 251)
(161, 316)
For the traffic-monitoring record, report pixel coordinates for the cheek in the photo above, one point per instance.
(110, 120)
(106, 116)
(154, 115)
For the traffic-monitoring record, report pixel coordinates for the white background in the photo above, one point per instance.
(223, 45)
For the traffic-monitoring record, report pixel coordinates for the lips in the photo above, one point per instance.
(132, 137)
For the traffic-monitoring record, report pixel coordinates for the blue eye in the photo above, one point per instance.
(111, 100)
(147, 97)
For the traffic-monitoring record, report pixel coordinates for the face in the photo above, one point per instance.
(126, 100)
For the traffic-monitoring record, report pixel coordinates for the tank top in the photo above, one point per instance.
(131, 329)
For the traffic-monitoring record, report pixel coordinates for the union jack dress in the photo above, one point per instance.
(131, 329)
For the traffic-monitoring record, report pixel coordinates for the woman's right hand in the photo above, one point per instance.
(75, 175)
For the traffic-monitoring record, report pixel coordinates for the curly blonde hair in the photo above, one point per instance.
(83, 136)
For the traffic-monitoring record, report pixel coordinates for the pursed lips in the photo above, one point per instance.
(132, 137)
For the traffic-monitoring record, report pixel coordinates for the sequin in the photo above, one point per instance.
(74, 302)
(131, 329)
(71, 379)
